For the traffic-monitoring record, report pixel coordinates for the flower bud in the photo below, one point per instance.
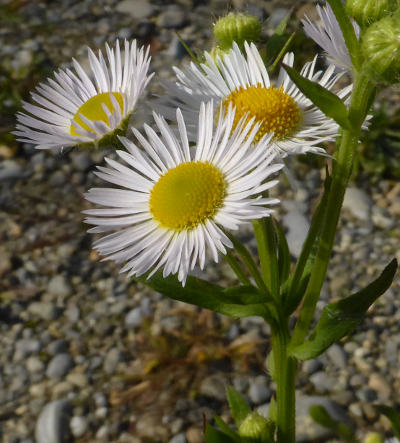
(373, 437)
(366, 12)
(237, 28)
(380, 46)
(217, 51)
(255, 428)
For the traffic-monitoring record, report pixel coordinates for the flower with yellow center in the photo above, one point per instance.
(241, 80)
(176, 199)
(75, 108)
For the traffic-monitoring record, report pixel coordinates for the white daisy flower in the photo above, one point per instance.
(177, 199)
(328, 35)
(242, 81)
(75, 108)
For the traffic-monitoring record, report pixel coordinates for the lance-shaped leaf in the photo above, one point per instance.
(284, 260)
(239, 301)
(340, 318)
(239, 408)
(227, 430)
(213, 435)
(328, 102)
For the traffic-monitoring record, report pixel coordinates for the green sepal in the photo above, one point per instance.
(328, 102)
(239, 408)
(273, 410)
(226, 429)
(213, 435)
(340, 318)
(239, 301)
(321, 416)
(393, 415)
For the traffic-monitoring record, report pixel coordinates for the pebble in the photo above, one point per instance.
(214, 386)
(259, 392)
(59, 365)
(11, 170)
(46, 310)
(82, 161)
(297, 225)
(322, 381)
(358, 202)
(171, 17)
(179, 438)
(53, 423)
(194, 435)
(59, 286)
(134, 318)
(112, 359)
(79, 426)
(337, 356)
(380, 385)
(138, 9)
(58, 346)
(34, 364)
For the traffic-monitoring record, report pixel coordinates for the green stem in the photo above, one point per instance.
(341, 171)
(285, 377)
(266, 244)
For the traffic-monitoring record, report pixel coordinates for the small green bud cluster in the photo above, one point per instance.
(366, 12)
(256, 429)
(236, 27)
(373, 437)
(380, 47)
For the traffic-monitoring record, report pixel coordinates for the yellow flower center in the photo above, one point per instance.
(187, 195)
(272, 107)
(93, 110)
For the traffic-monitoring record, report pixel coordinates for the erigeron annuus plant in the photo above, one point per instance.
(186, 184)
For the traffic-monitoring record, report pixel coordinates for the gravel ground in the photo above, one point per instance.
(86, 354)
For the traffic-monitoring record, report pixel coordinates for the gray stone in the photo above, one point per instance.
(358, 203)
(138, 9)
(214, 386)
(311, 366)
(297, 225)
(11, 170)
(46, 310)
(366, 395)
(59, 286)
(78, 425)
(53, 422)
(134, 318)
(113, 357)
(25, 347)
(172, 17)
(259, 393)
(322, 382)
(34, 365)
(57, 346)
(100, 399)
(59, 365)
(179, 438)
(337, 356)
(82, 161)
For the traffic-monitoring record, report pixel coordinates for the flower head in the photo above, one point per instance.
(329, 36)
(76, 108)
(242, 81)
(176, 199)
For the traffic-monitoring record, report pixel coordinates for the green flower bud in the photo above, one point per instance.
(366, 12)
(373, 437)
(237, 28)
(256, 429)
(380, 46)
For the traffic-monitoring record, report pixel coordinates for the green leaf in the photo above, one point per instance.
(321, 416)
(239, 408)
(240, 301)
(213, 435)
(328, 102)
(273, 410)
(393, 416)
(226, 429)
(340, 318)
(283, 253)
